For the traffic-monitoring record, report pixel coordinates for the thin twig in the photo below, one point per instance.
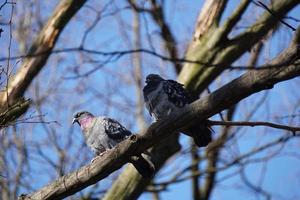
(257, 123)
(115, 55)
(261, 4)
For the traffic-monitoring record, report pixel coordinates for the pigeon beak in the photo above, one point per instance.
(74, 120)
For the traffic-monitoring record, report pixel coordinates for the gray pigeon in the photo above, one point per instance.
(163, 97)
(103, 133)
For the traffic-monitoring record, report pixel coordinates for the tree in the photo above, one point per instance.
(78, 60)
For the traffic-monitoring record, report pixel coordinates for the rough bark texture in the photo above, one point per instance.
(11, 114)
(288, 67)
(43, 44)
(211, 46)
(208, 41)
(217, 49)
(120, 186)
(131, 188)
(209, 17)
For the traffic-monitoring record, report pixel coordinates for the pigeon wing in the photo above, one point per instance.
(176, 93)
(115, 130)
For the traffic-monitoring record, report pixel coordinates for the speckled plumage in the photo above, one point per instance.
(103, 133)
(163, 97)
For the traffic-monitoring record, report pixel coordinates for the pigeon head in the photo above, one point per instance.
(82, 117)
(153, 78)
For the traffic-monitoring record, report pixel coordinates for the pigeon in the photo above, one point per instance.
(163, 97)
(103, 133)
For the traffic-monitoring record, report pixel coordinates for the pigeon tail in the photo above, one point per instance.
(143, 165)
(202, 134)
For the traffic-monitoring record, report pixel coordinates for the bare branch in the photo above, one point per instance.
(169, 41)
(115, 55)
(225, 97)
(238, 160)
(234, 18)
(213, 152)
(274, 14)
(218, 49)
(209, 16)
(44, 42)
(252, 124)
(12, 112)
(194, 169)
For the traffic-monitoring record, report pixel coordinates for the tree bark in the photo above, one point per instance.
(206, 27)
(216, 49)
(42, 46)
(209, 17)
(287, 67)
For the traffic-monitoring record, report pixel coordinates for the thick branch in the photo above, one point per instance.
(11, 113)
(44, 42)
(130, 184)
(196, 55)
(225, 97)
(217, 49)
(209, 16)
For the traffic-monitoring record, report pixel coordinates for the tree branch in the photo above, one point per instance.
(169, 40)
(275, 15)
(213, 153)
(252, 124)
(238, 160)
(234, 18)
(225, 97)
(12, 113)
(215, 48)
(44, 42)
(209, 17)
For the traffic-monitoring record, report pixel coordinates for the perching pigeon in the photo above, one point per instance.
(103, 133)
(162, 97)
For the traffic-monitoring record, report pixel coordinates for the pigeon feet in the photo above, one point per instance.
(95, 158)
(100, 155)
